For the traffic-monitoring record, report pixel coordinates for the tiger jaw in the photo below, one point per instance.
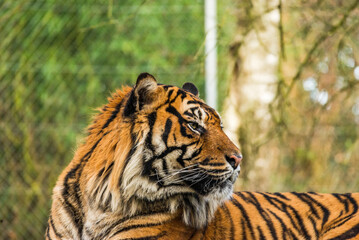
(206, 184)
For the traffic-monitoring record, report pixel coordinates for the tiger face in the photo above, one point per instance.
(181, 155)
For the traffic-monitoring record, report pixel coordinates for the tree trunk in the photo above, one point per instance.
(255, 53)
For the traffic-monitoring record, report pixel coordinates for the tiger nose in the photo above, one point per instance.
(234, 160)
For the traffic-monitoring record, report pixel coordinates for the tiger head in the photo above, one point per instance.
(172, 153)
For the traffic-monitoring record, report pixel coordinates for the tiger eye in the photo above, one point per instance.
(194, 125)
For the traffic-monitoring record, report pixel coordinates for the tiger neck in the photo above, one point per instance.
(196, 211)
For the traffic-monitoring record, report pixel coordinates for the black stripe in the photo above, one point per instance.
(264, 215)
(113, 115)
(188, 114)
(152, 119)
(314, 224)
(174, 138)
(175, 98)
(48, 233)
(196, 153)
(302, 228)
(229, 216)
(180, 158)
(206, 162)
(338, 223)
(351, 233)
(213, 164)
(352, 201)
(245, 218)
(284, 227)
(345, 219)
(151, 122)
(167, 131)
(73, 191)
(108, 171)
(260, 232)
(136, 226)
(215, 170)
(74, 212)
(182, 93)
(147, 165)
(244, 232)
(274, 201)
(200, 114)
(301, 197)
(284, 208)
(130, 106)
(324, 209)
(164, 233)
(193, 109)
(122, 220)
(53, 227)
(346, 205)
(181, 121)
(192, 102)
(170, 94)
(281, 196)
(164, 166)
(183, 148)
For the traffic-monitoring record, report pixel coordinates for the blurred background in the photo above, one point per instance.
(288, 87)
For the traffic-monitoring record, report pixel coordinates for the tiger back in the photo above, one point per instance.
(157, 165)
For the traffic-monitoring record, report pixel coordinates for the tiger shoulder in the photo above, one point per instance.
(157, 165)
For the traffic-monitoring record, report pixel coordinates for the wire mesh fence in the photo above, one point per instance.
(59, 60)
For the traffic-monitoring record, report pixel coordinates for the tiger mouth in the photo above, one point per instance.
(206, 184)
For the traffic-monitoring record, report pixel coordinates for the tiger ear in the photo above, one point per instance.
(190, 87)
(145, 89)
(142, 94)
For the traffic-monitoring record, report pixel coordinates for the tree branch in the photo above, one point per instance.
(320, 39)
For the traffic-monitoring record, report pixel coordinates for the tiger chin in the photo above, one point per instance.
(157, 165)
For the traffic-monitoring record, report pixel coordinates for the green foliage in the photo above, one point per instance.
(59, 61)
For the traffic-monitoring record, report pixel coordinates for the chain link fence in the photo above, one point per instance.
(59, 61)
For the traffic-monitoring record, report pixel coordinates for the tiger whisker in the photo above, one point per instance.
(176, 170)
(176, 173)
(186, 177)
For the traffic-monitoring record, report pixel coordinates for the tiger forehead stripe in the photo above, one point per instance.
(197, 113)
(173, 97)
(205, 109)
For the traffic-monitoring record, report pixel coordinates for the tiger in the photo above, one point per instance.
(156, 164)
